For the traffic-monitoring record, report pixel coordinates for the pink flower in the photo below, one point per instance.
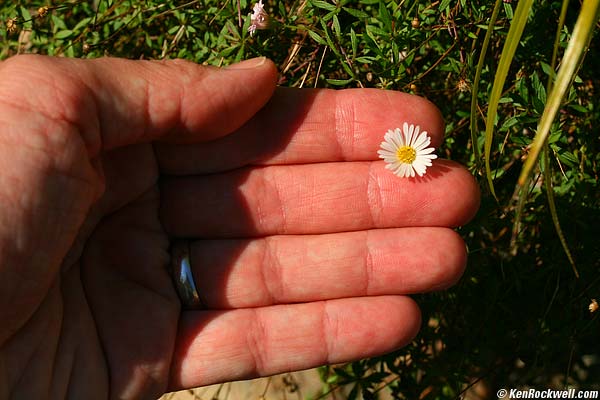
(259, 18)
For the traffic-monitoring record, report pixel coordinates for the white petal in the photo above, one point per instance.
(401, 170)
(419, 162)
(387, 157)
(388, 146)
(386, 152)
(421, 141)
(415, 134)
(418, 168)
(390, 138)
(426, 151)
(407, 170)
(408, 134)
(398, 138)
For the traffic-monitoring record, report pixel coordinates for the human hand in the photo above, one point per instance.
(304, 248)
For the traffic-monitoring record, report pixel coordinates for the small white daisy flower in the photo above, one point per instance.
(405, 151)
(259, 18)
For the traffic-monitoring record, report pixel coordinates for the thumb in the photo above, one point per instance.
(116, 102)
(57, 114)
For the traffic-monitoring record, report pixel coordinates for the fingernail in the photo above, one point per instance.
(249, 64)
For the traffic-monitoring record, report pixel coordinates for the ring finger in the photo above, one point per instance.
(287, 268)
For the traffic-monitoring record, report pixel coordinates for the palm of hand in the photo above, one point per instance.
(112, 301)
(98, 315)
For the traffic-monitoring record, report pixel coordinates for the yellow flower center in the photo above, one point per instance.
(406, 154)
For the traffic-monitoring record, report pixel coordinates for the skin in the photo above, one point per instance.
(304, 247)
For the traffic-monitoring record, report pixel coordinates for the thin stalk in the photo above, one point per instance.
(475, 90)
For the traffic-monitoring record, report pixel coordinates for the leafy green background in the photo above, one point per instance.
(519, 317)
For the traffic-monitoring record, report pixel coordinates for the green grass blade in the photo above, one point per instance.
(579, 42)
(522, 192)
(512, 41)
(547, 167)
(475, 90)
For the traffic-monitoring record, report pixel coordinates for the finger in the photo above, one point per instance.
(305, 126)
(242, 273)
(116, 102)
(315, 198)
(215, 346)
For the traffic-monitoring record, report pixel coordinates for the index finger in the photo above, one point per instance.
(299, 126)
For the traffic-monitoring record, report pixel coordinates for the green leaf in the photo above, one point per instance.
(315, 36)
(63, 34)
(336, 29)
(329, 40)
(25, 14)
(385, 17)
(568, 158)
(323, 4)
(228, 51)
(366, 60)
(58, 23)
(354, 42)
(356, 13)
(538, 86)
(523, 90)
(509, 123)
(339, 82)
(372, 44)
(239, 56)
(327, 17)
(547, 69)
(508, 10)
(82, 24)
(444, 5)
(377, 31)
(578, 108)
